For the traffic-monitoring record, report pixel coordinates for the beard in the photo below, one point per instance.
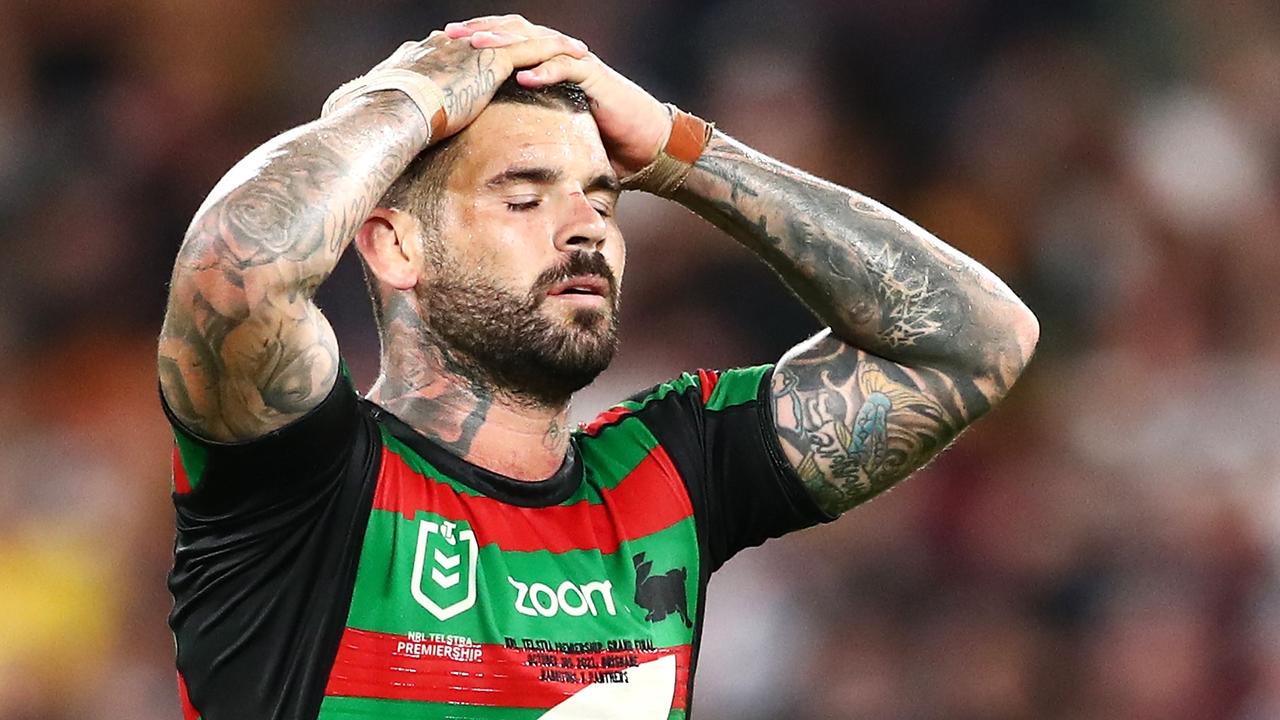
(511, 344)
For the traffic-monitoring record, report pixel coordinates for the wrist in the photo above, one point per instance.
(687, 136)
(407, 94)
(399, 113)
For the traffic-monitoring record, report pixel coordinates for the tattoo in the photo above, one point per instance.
(423, 387)
(877, 279)
(922, 339)
(911, 308)
(856, 423)
(460, 99)
(553, 439)
(244, 350)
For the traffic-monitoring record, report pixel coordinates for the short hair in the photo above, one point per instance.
(420, 187)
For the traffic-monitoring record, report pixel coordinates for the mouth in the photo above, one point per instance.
(582, 286)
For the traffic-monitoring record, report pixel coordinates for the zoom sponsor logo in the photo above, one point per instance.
(570, 598)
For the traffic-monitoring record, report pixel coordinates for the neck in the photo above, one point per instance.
(497, 431)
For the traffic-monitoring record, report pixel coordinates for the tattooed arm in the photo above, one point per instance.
(244, 350)
(921, 339)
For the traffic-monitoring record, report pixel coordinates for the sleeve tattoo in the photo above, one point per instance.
(855, 424)
(921, 339)
(244, 350)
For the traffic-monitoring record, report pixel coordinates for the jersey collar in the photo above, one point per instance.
(539, 493)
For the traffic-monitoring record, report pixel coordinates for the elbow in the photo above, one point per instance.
(1017, 335)
(207, 282)
(1025, 333)
(996, 356)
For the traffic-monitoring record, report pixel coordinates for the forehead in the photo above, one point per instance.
(508, 134)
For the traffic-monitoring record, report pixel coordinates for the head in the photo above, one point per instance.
(499, 247)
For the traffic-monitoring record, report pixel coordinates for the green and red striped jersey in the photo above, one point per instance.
(348, 568)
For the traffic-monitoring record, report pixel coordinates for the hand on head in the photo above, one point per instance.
(633, 124)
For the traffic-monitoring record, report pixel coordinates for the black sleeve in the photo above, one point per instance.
(718, 429)
(268, 539)
(234, 478)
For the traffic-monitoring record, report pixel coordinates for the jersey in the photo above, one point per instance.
(346, 567)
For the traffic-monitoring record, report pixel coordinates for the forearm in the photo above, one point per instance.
(881, 283)
(295, 202)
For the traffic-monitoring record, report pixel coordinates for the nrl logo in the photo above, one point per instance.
(450, 554)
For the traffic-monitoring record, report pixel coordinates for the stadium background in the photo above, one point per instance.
(1103, 546)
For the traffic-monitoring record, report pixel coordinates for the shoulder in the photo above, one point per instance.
(689, 393)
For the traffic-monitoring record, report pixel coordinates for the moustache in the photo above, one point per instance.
(578, 264)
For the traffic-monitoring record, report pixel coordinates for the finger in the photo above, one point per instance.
(494, 39)
(466, 27)
(517, 23)
(504, 38)
(560, 68)
(535, 51)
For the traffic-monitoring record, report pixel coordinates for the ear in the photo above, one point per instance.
(388, 240)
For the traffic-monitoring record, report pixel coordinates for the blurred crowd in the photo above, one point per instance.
(1104, 546)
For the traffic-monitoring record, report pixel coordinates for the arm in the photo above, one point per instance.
(244, 350)
(921, 339)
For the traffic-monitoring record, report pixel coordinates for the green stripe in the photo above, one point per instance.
(352, 708)
(194, 457)
(674, 385)
(737, 387)
(383, 600)
(611, 455)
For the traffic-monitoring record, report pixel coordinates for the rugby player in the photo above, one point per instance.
(444, 547)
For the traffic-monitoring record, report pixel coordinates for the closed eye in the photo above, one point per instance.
(523, 205)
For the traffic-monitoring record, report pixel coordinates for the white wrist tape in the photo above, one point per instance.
(421, 90)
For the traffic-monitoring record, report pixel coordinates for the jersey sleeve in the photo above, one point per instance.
(267, 543)
(718, 429)
(291, 461)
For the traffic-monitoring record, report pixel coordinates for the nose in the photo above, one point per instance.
(583, 227)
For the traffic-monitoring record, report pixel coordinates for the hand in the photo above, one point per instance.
(633, 124)
(468, 74)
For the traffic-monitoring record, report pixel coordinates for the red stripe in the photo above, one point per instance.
(650, 498)
(707, 379)
(612, 416)
(181, 484)
(378, 665)
(189, 711)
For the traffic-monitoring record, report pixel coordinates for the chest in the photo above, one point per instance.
(465, 606)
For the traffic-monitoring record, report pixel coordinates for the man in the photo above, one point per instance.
(445, 548)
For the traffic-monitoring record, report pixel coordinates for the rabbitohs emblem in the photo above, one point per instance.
(444, 569)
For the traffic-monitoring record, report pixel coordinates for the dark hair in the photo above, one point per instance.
(419, 188)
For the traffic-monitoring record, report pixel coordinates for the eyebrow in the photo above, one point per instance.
(547, 176)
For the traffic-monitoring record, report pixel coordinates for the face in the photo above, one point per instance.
(522, 283)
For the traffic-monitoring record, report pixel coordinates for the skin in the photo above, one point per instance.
(921, 340)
